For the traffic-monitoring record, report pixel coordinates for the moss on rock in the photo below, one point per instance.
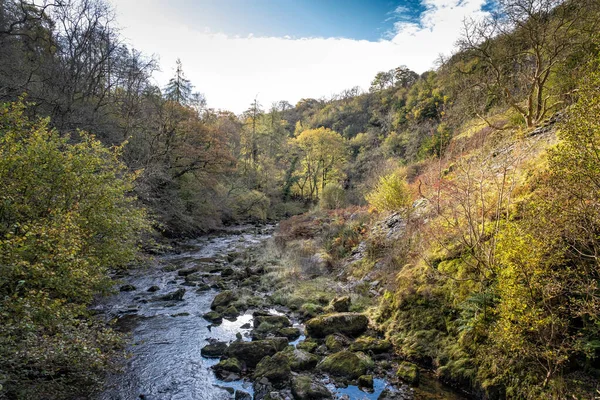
(344, 364)
(276, 369)
(408, 372)
(223, 299)
(350, 324)
(371, 344)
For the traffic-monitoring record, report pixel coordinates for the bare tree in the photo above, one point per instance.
(514, 52)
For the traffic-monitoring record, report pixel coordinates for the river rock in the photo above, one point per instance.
(214, 350)
(173, 296)
(408, 372)
(223, 299)
(370, 344)
(188, 271)
(202, 287)
(153, 288)
(276, 369)
(251, 353)
(127, 288)
(300, 360)
(365, 381)
(280, 343)
(309, 345)
(345, 364)
(225, 367)
(341, 304)
(336, 343)
(349, 324)
(305, 388)
(279, 321)
(241, 395)
(213, 316)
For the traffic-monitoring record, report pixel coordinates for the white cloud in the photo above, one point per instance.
(231, 71)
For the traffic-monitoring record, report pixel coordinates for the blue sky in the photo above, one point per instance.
(236, 50)
(353, 19)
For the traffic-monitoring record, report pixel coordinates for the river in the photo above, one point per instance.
(166, 337)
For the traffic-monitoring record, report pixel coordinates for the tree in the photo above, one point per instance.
(405, 77)
(66, 217)
(513, 53)
(322, 155)
(179, 89)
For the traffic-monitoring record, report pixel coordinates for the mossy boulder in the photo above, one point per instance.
(213, 316)
(280, 343)
(408, 372)
(223, 299)
(349, 324)
(251, 353)
(227, 366)
(365, 381)
(276, 368)
(335, 343)
(371, 344)
(202, 287)
(306, 388)
(310, 310)
(279, 321)
(231, 312)
(300, 360)
(309, 345)
(214, 350)
(290, 333)
(344, 364)
(173, 296)
(341, 304)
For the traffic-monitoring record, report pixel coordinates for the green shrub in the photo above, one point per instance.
(65, 218)
(333, 196)
(391, 193)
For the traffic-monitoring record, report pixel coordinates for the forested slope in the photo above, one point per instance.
(490, 162)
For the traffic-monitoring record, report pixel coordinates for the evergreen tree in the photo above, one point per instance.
(179, 88)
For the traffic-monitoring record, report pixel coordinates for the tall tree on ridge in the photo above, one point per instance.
(179, 88)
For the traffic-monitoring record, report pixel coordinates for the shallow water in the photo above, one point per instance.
(165, 361)
(167, 336)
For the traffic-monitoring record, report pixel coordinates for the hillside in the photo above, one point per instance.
(458, 208)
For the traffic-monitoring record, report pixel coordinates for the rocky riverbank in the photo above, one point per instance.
(208, 322)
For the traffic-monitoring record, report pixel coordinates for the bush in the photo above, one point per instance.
(391, 193)
(333, 196)
(65, 217)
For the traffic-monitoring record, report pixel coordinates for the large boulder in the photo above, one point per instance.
(276, 369)
(213, 317)
(300, 360)
(226, 367)
(305, 388)
(336, 343)
(345, 364)
(214, 350)
(349, 324)
(251, 353)
(223, 299)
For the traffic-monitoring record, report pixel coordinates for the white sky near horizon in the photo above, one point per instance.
(231, 70)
